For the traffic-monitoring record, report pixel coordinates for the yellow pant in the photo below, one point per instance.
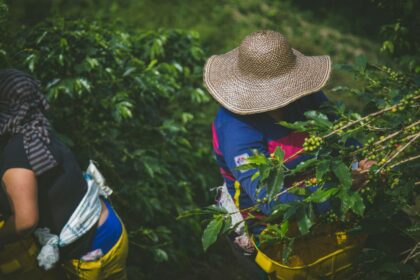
(111, 266)
(18, 262)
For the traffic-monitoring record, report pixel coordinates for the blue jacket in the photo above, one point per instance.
(236, 136)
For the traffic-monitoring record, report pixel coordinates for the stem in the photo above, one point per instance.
(374, 128)
(412, 253)
(380, 112)
(375, 149)
(406, 160)
(399, 151)
(392, 135)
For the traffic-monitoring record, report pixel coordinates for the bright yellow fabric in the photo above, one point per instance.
(237, 186)
(111, 266)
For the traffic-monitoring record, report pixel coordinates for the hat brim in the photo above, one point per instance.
(250, 95)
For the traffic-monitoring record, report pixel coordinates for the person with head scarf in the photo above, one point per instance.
(43, 188)
(258, 84)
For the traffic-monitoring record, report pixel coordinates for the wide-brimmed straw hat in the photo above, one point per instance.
(264, 73)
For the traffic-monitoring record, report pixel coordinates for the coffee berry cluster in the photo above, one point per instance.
(312, 143)
(408, 100)
(369, 193)
(331, 217)
(395, 76)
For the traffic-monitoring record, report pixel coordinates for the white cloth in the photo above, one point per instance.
(226, 201)
(81, 221)
(242, 240)
(104, 189)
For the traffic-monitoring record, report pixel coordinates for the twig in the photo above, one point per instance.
(365, 117)
(374, 128)
(375, 149)
(412, 253)
(392, 135)
(285, 191)
(406, 160)
(399, 151)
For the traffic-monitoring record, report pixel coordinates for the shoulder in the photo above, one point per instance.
(14, 155)
(235, 129)
(227, 119)
(15, 147)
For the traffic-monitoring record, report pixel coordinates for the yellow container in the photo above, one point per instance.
(327, 256)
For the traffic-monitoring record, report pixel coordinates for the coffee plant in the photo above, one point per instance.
(133, 102)
(382, 204)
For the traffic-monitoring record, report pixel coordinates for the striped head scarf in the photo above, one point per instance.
(22, 108)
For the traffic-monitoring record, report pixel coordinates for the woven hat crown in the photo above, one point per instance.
(263, 74)
(264, 55)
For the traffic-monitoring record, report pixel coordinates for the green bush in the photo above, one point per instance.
(133, 102)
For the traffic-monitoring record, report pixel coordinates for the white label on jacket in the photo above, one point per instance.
(241, 160)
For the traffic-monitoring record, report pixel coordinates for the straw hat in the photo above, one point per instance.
(264, 73)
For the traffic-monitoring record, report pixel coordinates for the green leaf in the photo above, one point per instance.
(40, 38)
(298, 126)
(215, 209)
(340, 88)
(388, 46)
(277, 212)
(351, 200)
(227, 224)
(257, 159)
(359, 206)
(302, 191)
(291, 210)
(287, 250)
(284, 227)
(160, 255)
(414, 229)
(342, 172)
(255, 176)
(322, 168)
(31, 60)
(320, 119)
(279, 154)
(245, 167)
(304, 165)
(212, 232)
(275, 183)
(321, 195)
(304, 222)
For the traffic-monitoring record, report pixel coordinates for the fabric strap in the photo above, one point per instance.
(85, 217)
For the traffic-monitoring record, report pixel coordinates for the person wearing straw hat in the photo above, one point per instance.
(257, 84)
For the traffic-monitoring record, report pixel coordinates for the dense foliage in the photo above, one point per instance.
(133, 102)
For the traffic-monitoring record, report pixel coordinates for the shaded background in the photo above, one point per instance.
(118, 72)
